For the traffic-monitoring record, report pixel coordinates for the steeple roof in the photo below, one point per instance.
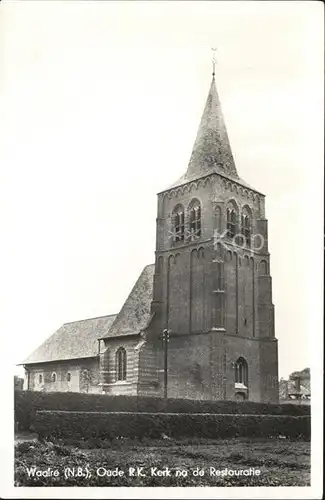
(211, 148)
(211, 152)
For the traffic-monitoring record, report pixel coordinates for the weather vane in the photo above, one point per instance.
(214, 61)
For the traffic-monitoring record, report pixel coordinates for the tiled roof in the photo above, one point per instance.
(78, 339)
(211, 147)
(135, 313)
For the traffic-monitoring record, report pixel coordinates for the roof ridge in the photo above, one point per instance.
(87, 319)
(73, 340)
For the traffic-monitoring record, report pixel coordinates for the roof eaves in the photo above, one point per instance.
(117, 336)
(238, 180)
(61, 360)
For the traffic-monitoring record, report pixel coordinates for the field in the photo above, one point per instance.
(281, 462)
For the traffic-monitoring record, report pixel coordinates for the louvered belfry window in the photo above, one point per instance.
(231, 222)
(195, 219)
(178, 223)
(246, 229)
(179, 226)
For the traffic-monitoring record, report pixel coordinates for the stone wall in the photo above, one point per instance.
(84, 376)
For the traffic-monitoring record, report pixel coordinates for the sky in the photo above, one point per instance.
(100, 103)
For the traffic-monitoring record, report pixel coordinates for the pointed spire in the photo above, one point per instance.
(212, 151)
(214, 63)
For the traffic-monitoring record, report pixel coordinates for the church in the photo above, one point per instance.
(208, 294)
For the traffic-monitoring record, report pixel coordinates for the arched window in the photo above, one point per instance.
(246, 227)
(178, 223)
(241, 372)
(68, 376)
(195, 219)
(121, 364)
(231, 222)
(40, 378)
(200, 253)
(53, 377)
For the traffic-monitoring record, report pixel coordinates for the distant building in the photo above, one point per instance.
(210, 288)
(297, 388)
(18, 383)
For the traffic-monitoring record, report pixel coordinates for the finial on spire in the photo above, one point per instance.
(214, 62)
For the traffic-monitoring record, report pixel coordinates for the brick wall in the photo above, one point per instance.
(110, 384)
(187, 299)
(150, 381)
(269, 370)
(188, 367)
(183, 283)
(241, 347)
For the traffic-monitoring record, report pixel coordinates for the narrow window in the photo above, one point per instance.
(220, 284)
(246, 229)
(160, 265)
(121, 364)
(231, 222)
(40, 379)
(241, 372)
(219, 312)
(218, 217)
(53, 377)
(195, 220)
(178, 223)
(68, 376)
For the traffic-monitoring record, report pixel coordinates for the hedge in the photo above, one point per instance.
(28, 402)
(86, 425)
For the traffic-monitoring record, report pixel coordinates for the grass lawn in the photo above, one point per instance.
(281, 462)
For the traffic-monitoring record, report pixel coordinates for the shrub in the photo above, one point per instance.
(100, 425)
(28, 402)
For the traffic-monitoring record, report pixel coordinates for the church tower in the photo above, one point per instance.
(212, 284)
